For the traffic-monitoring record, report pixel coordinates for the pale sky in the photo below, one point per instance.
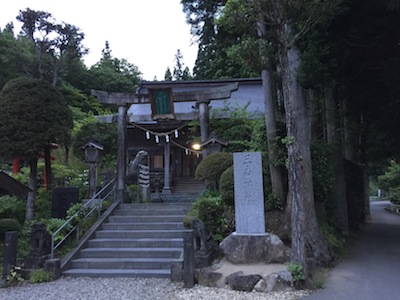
(147, 33)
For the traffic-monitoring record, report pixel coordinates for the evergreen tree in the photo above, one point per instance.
(168, 75)
(178, 69)
(33, 114)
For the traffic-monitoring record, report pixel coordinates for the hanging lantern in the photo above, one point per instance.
(176, 134)
(157, 139)
(147, 135)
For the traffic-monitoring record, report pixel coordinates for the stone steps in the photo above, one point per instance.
(131, 234)
(161, 273)
(131, 253)
(137, 240)
(123, 263)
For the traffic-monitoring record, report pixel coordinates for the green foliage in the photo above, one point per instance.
(273, 202)
(335, 241)
(113, 74)
(226, 187)
(43, 202)
(53, 224)
(12, 207)
(103, 133)
(135, 194)
(211, 168)
(390, 180)
(323, 175)
(243, 131)
(16, 58)
(24, 240)
(49, 119)
(40, 275)
(15, 276)
(8, 224)
(211, 210)
(297, 272)
(80, 212)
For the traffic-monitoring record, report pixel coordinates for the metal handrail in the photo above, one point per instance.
(97, 207)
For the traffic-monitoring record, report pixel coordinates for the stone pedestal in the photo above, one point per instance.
(252, 249)
(53, 266)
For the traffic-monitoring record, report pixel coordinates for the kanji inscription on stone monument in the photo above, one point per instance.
(249, 195)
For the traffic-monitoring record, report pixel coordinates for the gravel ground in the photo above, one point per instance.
(129, 288)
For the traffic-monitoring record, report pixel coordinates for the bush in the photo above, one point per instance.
(211, 168)
(12, 207)
(9, 224)
(135, 194)
(77, 208)
(43, 202)
(53, 224)
(40, 275)
(335, 241)
(273, 202)
(24, 240)
(211, 210)
(226, 187)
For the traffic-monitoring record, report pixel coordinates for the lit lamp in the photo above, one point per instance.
(92, 158)
(196, 146)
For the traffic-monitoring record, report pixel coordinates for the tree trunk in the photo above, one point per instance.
(334, 138)
(66, 161)
(30, 200)
(47, 167)
(306, 236)
(274, 170)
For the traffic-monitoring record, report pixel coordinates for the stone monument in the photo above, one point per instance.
(250, 243)
(249, 195)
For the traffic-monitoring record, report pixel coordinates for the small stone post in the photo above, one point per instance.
(188, 259)
(53, 266)
(10, 252)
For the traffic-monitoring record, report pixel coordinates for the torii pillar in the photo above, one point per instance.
(121, 100)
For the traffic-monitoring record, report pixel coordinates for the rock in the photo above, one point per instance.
(176, 272)
(279, 282)
(239, 282)
(260, 286)
(251, 249)
(209, 277)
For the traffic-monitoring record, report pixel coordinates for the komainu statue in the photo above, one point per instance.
(132, 175)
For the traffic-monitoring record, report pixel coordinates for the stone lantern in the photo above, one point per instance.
(92, 158)
(213, 144)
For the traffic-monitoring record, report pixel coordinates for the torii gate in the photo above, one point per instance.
(202, 98)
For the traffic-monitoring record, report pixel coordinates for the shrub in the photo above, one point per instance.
(40, 275)
(297, 272)
(9, 224)
(273, 202)
(211, 210)
(43, 202)
(211, 168)
(335, 241)
(53, 224)
(12, 207)
(77, 208)
(226, 187)
(135, 194)
(24, 240)
(323, 175)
